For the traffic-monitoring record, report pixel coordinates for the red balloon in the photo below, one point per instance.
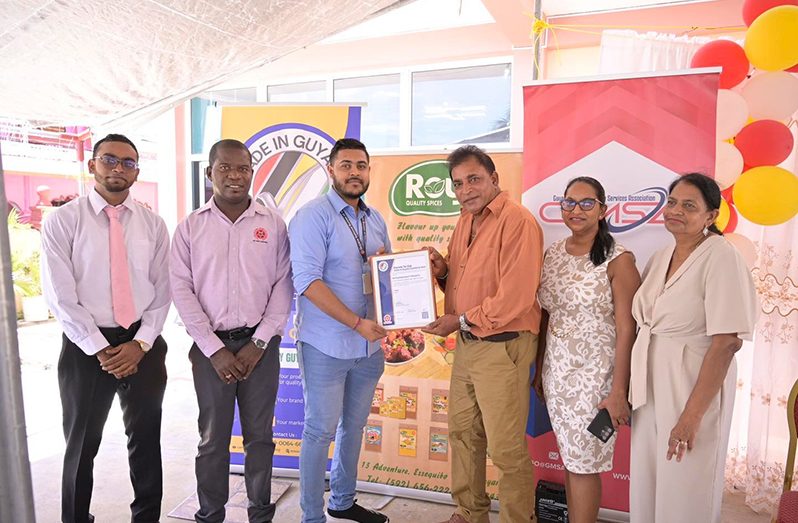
(728, 195)
(764, 142)
(732, 219)
(753, 8)
(727, 54)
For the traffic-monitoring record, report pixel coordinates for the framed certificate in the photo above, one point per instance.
(404, 297)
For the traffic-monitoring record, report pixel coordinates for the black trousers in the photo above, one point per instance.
(87, 392)
(256, 398)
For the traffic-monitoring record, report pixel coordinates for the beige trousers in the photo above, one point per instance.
(488, 409)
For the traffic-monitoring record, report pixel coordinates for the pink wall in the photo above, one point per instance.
(21, 190)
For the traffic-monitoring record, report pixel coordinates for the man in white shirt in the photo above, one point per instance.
(106, 280)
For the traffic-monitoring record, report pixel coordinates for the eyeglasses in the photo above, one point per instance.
(112, 161)
(587, 204)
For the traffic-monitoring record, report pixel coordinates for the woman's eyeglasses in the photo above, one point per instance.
(587, 204)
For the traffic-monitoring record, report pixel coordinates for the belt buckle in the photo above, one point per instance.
(238, 334)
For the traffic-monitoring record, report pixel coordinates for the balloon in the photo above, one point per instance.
(767, 195)
(732, 114)
(771, 43)
(764, 142)
(727, 54)
(723, 215)
(728, 164)
(753, 8)
(732, 220)
(744, 246)
(772, 96)
(727, 192)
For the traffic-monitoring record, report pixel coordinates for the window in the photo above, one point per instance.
(301, 92)
(380, 118)
(469, 104)
(244, 95)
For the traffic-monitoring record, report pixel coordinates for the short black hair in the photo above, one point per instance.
(462, 154)
(709, 189)
(114, 138)
(347, 143)
(227, 143)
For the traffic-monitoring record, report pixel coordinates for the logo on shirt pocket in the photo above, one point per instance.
(260, 235)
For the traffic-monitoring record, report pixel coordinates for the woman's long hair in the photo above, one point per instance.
(710, 192)
(603, 243)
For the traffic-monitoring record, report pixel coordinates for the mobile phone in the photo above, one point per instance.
(601, 426)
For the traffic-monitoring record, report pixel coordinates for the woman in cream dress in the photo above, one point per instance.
(586, 292)
(695, 306)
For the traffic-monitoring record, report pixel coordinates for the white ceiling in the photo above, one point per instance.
(93, 62)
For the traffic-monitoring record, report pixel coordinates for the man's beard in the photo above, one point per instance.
(117, 187)
(340, 189)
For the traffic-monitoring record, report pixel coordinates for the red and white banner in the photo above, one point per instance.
(634, 135)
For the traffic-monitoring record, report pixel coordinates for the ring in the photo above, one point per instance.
(228, 376)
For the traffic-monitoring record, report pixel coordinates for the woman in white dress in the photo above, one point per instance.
(582, 366)
(695, 306)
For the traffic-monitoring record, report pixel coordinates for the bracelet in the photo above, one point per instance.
(445, 275)
(356, 324)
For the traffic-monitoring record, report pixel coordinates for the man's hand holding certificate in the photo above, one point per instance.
(404, 296)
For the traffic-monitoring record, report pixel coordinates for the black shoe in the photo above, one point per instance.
(358, 513)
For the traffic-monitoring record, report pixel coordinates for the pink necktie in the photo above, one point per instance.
(121, 293)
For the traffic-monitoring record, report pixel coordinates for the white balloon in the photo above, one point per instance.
(728, 164)
(745, 247)
(732, 114)
(772, 96)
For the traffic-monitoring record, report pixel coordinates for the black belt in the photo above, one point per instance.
(120, 335)
(502, 336)
(241, 333)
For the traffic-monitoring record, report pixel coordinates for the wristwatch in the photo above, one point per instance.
(145, 347)
(464, 325)
(259, 343)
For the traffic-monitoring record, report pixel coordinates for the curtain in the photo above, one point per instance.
(631, 52)
(768, 366)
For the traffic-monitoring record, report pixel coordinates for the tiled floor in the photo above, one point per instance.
(39, 348)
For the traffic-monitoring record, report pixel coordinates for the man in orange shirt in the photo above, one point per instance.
(490, 277)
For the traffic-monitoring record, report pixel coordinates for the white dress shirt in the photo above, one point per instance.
(76, 274)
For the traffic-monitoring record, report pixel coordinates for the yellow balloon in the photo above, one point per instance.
(723, 215)
(771, 42)
(767, 195)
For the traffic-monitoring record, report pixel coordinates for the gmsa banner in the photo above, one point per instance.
(635, 135)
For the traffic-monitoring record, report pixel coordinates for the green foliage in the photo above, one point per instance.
(25, 255)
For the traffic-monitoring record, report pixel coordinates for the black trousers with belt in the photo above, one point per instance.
(87, 392)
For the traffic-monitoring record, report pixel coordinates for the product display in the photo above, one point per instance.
(440, 405)
(408, 440)
(379, 395)
(373, 436)
(410, 394)
(438, 444)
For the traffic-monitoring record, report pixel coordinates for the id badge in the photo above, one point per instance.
(367, 286)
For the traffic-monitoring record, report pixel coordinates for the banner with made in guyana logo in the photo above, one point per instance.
(290, 145)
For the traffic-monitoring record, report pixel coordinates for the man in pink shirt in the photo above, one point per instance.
(230, 275)
(105, 279)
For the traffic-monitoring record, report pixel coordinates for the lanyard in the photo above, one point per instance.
(361, 245)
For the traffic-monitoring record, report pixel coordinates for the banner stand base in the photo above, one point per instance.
(613, 516)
